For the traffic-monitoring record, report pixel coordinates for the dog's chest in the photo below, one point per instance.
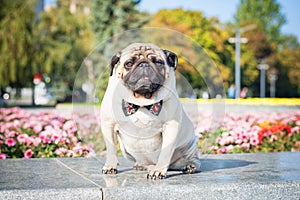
(141, 124)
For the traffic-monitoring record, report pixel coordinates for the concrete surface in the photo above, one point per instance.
(230, 176)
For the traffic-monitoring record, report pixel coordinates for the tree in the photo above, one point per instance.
(65, 40)
(113, 17)
(17, 26)
(208, 34)
(108, 19)
(289, 72)
(258, 43)
(265, 13)
(265, 42)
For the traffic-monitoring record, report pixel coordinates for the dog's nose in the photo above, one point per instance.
(144, 64)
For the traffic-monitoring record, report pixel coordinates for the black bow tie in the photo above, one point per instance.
(130, 108)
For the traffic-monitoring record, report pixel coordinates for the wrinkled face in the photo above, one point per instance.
(143, 68)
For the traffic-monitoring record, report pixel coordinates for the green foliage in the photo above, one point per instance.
(58, 44)
(208, 34)
(65, 41)
(289, 72)
(265, 13)
(110, 18)
(17, 42)
(267, 43)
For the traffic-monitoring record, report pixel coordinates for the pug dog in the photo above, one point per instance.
(141, 110)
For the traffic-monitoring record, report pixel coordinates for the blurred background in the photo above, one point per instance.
(43, 43)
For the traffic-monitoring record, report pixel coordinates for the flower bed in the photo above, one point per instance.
(273, 132)
(24, 135)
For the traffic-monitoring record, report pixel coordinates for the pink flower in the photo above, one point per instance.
(245, 146)
(295, 129)
(38, 128)
(12, 134)
(26, 125)
(61, 151)
(2, 156)
(56, 138)
(29, 140)
(28, 153)
(37, 141)
(273, 138)
(222, 150)
(78, 149)
(244, 137)
(71, 153)
(69, 125)
(229, 140)
(10, 142)
(44, 137)
(221, 141)
(56, 123)
(17, 123)
(229, 148)
(254, 141)
(71, 133)
(22, 138)
(225, 134)
(2, 127)
(238, 141)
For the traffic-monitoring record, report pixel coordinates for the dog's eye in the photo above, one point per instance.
(159, 62)
(128, 64)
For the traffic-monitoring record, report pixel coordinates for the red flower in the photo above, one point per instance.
(272, 130)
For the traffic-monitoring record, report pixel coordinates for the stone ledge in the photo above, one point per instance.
(230, 176)
(53, 194)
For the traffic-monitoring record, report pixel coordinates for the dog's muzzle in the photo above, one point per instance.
(144, 79)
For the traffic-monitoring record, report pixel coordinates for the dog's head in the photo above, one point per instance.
(143, 68)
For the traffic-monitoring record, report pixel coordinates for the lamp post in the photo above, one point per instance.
(273, 78)
(238, 40)
(262, 67)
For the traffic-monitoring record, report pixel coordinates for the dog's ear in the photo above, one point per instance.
(172, 58)
(114, 60)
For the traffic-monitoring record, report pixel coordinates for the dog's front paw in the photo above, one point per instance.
(109, 170)
(156, 174)
(189, 169)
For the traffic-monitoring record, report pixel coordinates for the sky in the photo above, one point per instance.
(224, 10)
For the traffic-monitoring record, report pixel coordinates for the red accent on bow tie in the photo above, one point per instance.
(130, 108)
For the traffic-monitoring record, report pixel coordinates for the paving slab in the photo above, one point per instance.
(228, 176)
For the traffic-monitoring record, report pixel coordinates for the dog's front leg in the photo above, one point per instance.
(110, 138)
(169, 136)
